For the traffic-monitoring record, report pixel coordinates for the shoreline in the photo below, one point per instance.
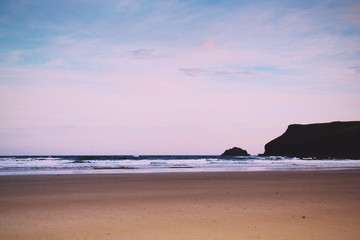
(184, 163)
(175, 170)
(183, 205)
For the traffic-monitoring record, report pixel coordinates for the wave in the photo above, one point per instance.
(128, 163)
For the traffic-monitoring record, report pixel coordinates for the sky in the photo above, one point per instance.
(172, 77)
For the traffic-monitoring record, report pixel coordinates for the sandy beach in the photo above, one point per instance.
(228, 205)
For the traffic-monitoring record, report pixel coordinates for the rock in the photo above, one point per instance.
(320, 140)
(235, 151)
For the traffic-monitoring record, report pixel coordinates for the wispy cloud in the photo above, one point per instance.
(352, 14)
(234, 73)
(192, 72)
(14, 56)
(128, 6)
(356, 69)
(147, 53)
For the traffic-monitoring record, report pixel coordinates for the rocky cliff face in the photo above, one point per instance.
(321, 140)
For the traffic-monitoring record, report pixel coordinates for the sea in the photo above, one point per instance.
(102, 164)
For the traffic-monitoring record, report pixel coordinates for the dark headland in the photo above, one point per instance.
(320, 140)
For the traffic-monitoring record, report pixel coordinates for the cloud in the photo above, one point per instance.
(351, 15)
(234, 73)
(192, 72)
(55, 63)
(147, 53)
(15, 55)
(128, 6)
(356, 69)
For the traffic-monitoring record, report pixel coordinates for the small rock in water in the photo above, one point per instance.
(235, 151)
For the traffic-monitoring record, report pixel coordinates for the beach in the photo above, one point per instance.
(194, 205)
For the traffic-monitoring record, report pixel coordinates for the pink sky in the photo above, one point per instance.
(191, 81)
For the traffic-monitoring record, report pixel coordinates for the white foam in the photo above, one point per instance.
(57, 165)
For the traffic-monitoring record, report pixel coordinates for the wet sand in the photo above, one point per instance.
(228, 205)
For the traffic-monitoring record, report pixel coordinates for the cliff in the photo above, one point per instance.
(321, 140)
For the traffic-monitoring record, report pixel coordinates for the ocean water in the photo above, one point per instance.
(23, 165)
